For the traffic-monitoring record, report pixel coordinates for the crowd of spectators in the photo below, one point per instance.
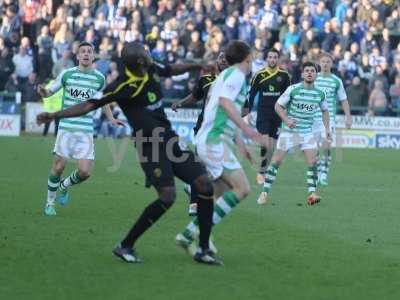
(39, 38)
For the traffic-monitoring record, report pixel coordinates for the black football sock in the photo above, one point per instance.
(264, 160)
(149, 216)
(205, 210)
(193, 195)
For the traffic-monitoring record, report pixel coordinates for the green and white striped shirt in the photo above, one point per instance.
(78, 86)
(230, 84)
(302, 105)
(334, 90)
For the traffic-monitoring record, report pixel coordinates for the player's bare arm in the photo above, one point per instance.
(346, 109)
(242, 148)
(43, 92)
(115, 122)
(281, 111)
(188, 100)
(325, 120)
(177, 69)
(74, 111)
(227, 105)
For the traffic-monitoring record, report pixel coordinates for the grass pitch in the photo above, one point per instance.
(347, 247)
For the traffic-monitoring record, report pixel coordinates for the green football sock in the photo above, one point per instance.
(312, 179)
(53, 183)
(72, 179)
(222, 207)
(270, 177)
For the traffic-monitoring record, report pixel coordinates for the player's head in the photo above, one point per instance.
(238, 52)
(325, 62)
(272, 58)
(222, 64)
(85, 54)
(309, 72)
(135, 57)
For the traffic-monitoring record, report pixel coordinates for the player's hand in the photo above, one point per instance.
(248, 156)
(254, 135)
(291, 123)
(117, 122)
(42, 91)
(348, 122)
(329, 136)
(175, 106)
(44, 117)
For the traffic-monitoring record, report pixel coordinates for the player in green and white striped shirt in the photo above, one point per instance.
(75, 136)
(332, 85)
(297, 108)
(219, 133)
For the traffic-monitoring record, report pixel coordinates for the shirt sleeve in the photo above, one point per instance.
(341, 93)
(57, 84)
(232, 86)
(284, 99)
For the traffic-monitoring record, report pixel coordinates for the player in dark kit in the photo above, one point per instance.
(138, 92)
(268, 84)
(200, 94)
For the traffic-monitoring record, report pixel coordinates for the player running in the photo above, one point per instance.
(268, 85)
(297, 108)
(75, 136)
(138, 92)
(200, 93)
(332, 85)
(219, 132)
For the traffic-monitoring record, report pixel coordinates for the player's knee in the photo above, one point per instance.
(58, 168)
(204, 187)
(167, 195)
(244, 191)
(276, 162)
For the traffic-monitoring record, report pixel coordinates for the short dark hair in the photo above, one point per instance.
(236, 51)
(132, 53)
(83, 44)
(309, 64)
(274, 50)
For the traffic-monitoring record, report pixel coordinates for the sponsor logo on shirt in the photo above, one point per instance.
(151, 97)
(271, 93)
(305, 106)
(78, 93)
